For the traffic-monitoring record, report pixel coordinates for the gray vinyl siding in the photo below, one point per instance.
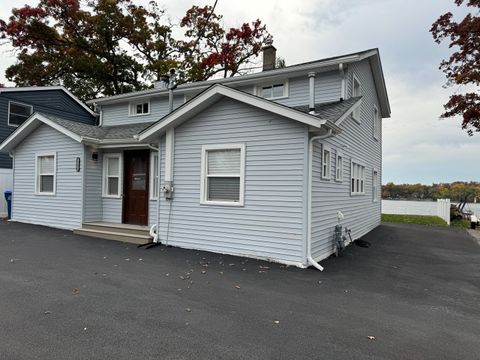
(117, 114)
(112, 210)
(270, 225)
(329, 196)
(62, 210)
(53, 102)
(327, 88)
(93, 208)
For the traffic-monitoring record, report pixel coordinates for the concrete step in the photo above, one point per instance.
(118, 228)
(114, 235)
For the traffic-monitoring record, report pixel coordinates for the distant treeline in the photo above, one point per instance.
(455, 191)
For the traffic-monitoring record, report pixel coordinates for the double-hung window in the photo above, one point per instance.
(223, 172)
(377, 123)
(139, 108)
(46, 166)
(154, 175)
(326, 162)
(339, 167)
(356, 92)
(357, 179)
(18, 113)
(375, 185)
(112, 175)
(273, 91)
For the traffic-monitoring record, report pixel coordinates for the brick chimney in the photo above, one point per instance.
(269, 56)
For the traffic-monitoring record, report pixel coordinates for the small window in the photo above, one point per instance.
(326, 163)
(18, 113)
(377, 123)
(222, 180)
(140, 108)
(112, 170)
(357, 179)
(154, 175)
(339, 167)
(356, 92)
(46, 174)
(375, 186)
(273, 91)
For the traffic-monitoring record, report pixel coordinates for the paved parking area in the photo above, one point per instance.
(415, 292)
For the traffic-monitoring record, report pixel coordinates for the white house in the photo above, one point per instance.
(258, 165)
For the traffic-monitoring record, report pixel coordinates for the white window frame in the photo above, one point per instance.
(154, 176)
(375, 186)
(327, 174)
(339, 175)
(105, 158)
(17, 103)
(37, 174)
(259, 88)
(203, 179)
(132, 107)
(356, 114)
(356, 192)
(376, 123)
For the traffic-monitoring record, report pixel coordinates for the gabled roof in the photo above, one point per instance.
(216, 92)
(82, 133)
(326, 64)
(46, 88)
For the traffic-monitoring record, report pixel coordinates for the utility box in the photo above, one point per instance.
(8, 198)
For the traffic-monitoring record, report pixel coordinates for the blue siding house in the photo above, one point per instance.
(19, 103)
(264, 165)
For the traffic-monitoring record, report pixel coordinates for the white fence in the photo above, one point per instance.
(6, 183)
(443, 209)
(440, 208)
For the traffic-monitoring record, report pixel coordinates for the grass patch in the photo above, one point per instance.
(414, 219)
(462, 223)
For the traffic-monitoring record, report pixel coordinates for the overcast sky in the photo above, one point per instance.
(417, 146)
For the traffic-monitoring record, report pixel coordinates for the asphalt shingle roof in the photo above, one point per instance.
(100, 133)
(331, 111)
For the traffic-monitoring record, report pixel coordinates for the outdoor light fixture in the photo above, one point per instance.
(95, 156)
(78, 164)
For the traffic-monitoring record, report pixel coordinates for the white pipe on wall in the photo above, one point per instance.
(311, 102)
(310, 260)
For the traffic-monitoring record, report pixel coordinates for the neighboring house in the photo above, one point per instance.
(258, 165)
(16, 106)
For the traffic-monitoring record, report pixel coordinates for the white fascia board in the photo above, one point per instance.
(210, 96)
(30, 125)
(348, 112)
(44, 88)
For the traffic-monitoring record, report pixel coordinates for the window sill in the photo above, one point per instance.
(357, 194)
(325, 178)
(339, 180)
(111, 197)
(222, 203)
(135, 115)
(13, 125)
(45, 194)
(275, 98)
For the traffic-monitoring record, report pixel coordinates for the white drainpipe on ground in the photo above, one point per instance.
(310, 260)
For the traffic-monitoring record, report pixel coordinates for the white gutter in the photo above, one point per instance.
(310, 260)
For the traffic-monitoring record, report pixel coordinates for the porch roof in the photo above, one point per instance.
(335, 111)
(90, 134)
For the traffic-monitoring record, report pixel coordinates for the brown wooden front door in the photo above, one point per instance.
(135, 202)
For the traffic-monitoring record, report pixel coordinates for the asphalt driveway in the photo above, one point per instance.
(415, 292)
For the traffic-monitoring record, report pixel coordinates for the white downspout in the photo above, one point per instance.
(155, 228)
(310, 260)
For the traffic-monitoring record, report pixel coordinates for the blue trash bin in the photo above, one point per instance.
(8, 197)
